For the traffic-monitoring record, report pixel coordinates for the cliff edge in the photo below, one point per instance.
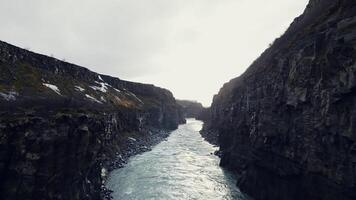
(287, 125)
(62, 126)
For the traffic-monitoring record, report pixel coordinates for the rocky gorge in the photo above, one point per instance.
(286, 126)
(64, 127)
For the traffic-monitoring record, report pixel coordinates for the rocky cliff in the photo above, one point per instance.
(191, 109)
(61, 125)
(287, 125)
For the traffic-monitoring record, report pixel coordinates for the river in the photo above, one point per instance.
(181, 167)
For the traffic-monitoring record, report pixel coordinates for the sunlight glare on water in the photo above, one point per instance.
(182, 167)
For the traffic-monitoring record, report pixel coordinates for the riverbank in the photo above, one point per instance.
(133, 146)
(61, 125)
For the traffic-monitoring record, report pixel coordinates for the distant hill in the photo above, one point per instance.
(191, 109)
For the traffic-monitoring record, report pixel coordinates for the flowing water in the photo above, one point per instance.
(182, 167)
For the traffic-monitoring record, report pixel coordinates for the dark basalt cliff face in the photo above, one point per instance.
(191, 109)
(287, 125)
(61, 125)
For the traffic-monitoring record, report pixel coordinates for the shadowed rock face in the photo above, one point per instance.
(61, 124)
(191, 109)
(287, 125)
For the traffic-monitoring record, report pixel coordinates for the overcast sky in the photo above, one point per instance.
(191, 47)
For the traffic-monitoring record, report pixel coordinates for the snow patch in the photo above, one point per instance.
(132, 139)
(92, 98)
(52, 87)
(103, 86)
(78, 88)
(133, 95)
(10, 96)
(99, 77)
(117, 90)
(102, 99)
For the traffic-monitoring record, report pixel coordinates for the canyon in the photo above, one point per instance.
(284, 129)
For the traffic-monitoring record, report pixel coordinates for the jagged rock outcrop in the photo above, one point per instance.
(287, 125)
(62, 126)
(191, 109)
